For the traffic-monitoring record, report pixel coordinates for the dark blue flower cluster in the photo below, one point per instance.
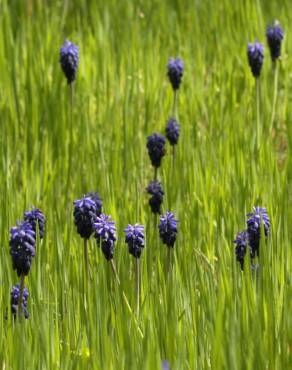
(84, 214)
(97, 200)
(168, 229)
(255, 53)
(156, 148)
(135, 239)
(155, 189)
(172, 131)
(175, 70)
(36, 217)
(15, 292)
(69, 58)
(250, 238)
(105, 232)
(275, 35)
(22, 247)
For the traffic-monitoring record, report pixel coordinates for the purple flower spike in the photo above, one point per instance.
(254, 228)
(105, 231)
(156, 190)
(98, 202)
(135, 239)
(241, 242)
(172, 131)
(175, 70)
(168, 229)
(156, 148)
(22, 247)
(255, 53)
(15, 291)
(275, 35)
(69, 58)
(36, 217)
(84, 214)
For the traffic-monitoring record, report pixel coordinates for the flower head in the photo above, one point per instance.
(275, 35)
(172, 131)
(156, 148)
(241, 242)
(175, 70)
(69, 57)
(135, 239)
(22, 247)
(36, 217)
(255, 53)
(168, 229)
(14, 294)
(255, 219)
(97, 200)
(105, 232)
(84, 214)
(156, 190)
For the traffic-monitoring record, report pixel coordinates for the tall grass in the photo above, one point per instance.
(207, 314)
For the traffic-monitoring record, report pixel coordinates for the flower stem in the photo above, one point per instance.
(113, 266)
(169, 260)
(86, 258)
(70, 150)
(138, 285)
(258, 113)
(174, 105)
(155, 173)
(275, 94)
(22, 276)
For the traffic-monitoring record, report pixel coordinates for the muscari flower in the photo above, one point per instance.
(15, 291)
(258, 216)
(105, 233)
(156, 190)
(22, 247)
(69, 57)
(172, 131)
(241, 242)
(36, 217)
(156, 148)
(175, 69)
(97, 200)
(275, 35)
(84, 214)
(135, 239)
(255, 53)
(168, 229)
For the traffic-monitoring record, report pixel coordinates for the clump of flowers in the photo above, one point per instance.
(69, 58)
(135, 239)
(97, 200)
(156, 191)
(22, 247)
(168, 229)
(15, 295)
(156, 148)
(241, 242)
(275, 35)
(84, 214)
(255, 53)
(175, 70)
(105, 233)
(172, 131)
(36, 217)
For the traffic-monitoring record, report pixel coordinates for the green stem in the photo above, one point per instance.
(22, 276)
(169, 260)
(155, 173)
(70, 150)
(275, 94)
(138, 285)
(113, 266)
(86, 260)
(258, 113)
(174, 105)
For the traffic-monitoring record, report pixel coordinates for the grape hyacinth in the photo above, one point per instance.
(105, 232)
(168, 229)
(36, 217)
(254, 228)
(135, 239)
(156, 148)
(275, 35)
(172, 131)
(84, 214)
(22, 247)
(241, 242)
(97, 200)
(156, 190)
(15, 293)
(255, 53)
(175, 69)
(69, 58)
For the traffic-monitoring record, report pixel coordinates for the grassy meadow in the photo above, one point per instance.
(207, 313)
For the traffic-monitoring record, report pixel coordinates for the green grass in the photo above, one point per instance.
(208, 314)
